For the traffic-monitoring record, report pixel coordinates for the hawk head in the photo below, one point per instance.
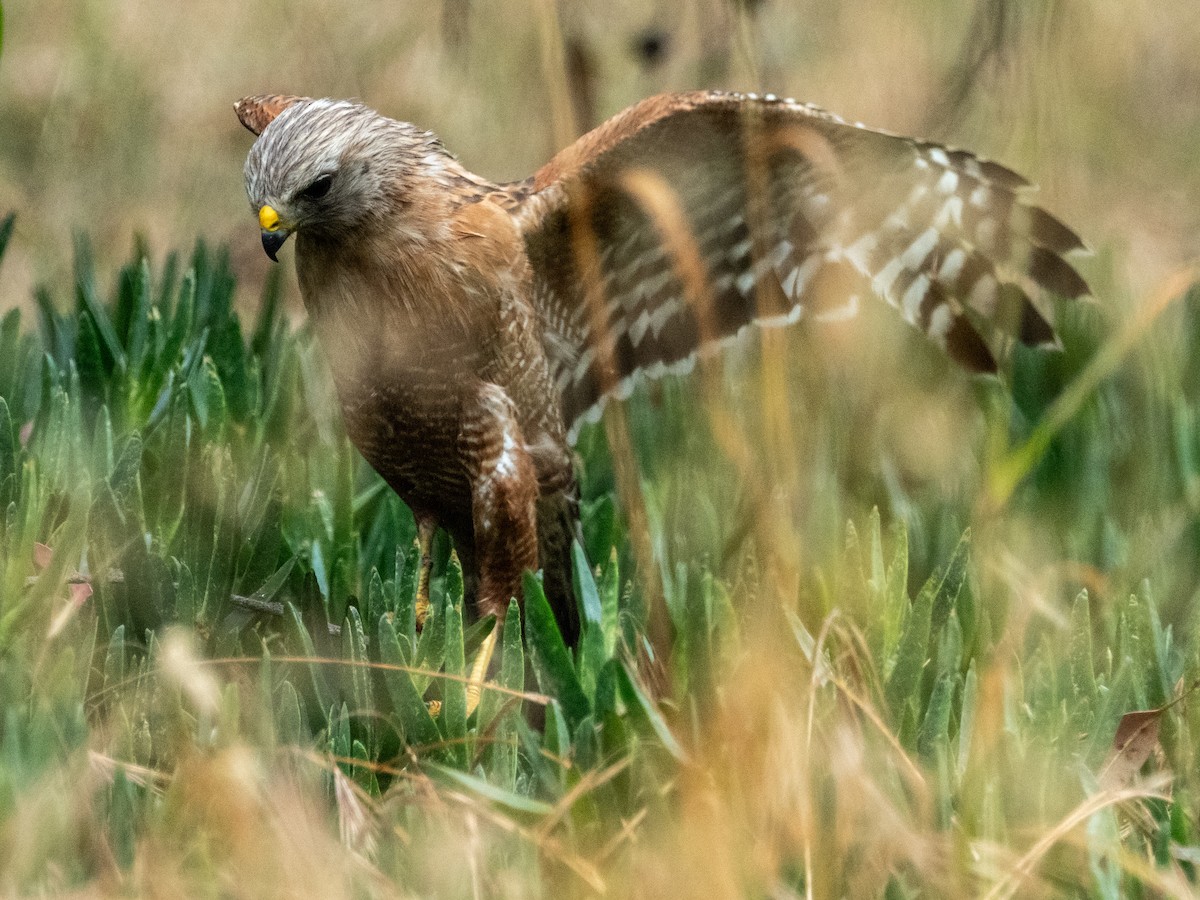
(322, 167)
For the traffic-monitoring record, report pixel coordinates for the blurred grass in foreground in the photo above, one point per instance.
(211, 683)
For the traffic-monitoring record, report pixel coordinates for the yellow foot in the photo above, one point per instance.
(480, 667)
(425, 529)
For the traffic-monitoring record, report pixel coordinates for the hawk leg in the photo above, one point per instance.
(504, 493)
(426, 525)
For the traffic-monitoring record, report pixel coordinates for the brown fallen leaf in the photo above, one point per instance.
(1135, 740)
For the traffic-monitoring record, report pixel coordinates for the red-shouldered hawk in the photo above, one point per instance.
(472, 327)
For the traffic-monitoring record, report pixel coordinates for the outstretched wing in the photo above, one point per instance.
(687, 217)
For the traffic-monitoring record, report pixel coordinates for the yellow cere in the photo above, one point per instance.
(268, 219)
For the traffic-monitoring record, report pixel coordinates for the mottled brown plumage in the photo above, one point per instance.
(472, 327)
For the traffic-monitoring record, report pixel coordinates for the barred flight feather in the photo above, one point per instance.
(791, 212)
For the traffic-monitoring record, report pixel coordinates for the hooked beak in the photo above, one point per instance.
(273, 231)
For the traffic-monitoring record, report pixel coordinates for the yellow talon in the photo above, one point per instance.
(480, 667)
(425, 530)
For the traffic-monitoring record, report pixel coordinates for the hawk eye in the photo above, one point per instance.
(317, 189)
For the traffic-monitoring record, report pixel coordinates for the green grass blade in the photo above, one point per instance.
(645, 711)
(322, 695)
(902, 684)
(453, 718)
(935, 729)
(493, 794)
(85, 286)
(551, 662)
(418, 729)
(288, 717)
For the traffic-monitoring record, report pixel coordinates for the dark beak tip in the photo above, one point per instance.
(272, 241)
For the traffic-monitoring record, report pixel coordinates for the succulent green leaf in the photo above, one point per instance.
(551, 662)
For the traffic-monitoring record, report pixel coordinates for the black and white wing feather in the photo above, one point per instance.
(688, 217)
